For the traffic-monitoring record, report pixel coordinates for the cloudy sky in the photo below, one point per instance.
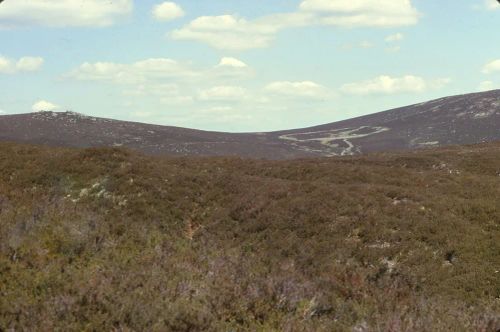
(239, 65)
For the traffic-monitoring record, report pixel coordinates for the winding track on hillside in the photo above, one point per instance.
(465, 119)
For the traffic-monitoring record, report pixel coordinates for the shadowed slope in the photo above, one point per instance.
(466, 119)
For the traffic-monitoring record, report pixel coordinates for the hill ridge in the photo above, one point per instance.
(461, 119)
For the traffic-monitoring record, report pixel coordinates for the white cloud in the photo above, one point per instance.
(170, 82)
(24, 64)
(491, 67)
(63, 13)
(135, 73)
(43, 105)
(157, 69)
(29, 63)
(487, 86)
(394, 38)
(231, 32)
(305, 89)
(391, 85)
(2, 112)
(223, 32)
(230, 69)
(363, 13)
(223, 93)
(232, 62)
(167, 11)
(491, 4)
(6, 65)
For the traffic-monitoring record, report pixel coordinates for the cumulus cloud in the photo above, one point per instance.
(363, 13)
(305, 89)
(394, 38)
(63, 13)
(167, 11)
(5, 65)
(43, 105)
(232, 62)
(491, 67)
(392, 85)
(491, 4)
(29, 63)
(137, 72)
(230, 69)
(24, 64)
(169, 81)
(223, 93)
(159, 71)
(231, 32)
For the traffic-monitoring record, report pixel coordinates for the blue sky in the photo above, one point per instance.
(239, 65)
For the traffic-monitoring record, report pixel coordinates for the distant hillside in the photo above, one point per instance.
(466, 119)
(111, 240)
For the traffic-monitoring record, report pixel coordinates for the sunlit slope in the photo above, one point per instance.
(104, 239)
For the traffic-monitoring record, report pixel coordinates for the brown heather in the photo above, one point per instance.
(111, 240)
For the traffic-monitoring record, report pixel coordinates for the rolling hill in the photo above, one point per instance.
(464, 119)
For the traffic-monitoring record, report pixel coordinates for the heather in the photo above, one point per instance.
(110, 239)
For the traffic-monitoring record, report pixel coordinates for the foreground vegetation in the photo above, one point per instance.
(107, 239)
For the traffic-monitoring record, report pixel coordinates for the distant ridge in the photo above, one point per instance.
(464, 119)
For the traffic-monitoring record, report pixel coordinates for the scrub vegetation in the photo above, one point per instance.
(109, 239)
